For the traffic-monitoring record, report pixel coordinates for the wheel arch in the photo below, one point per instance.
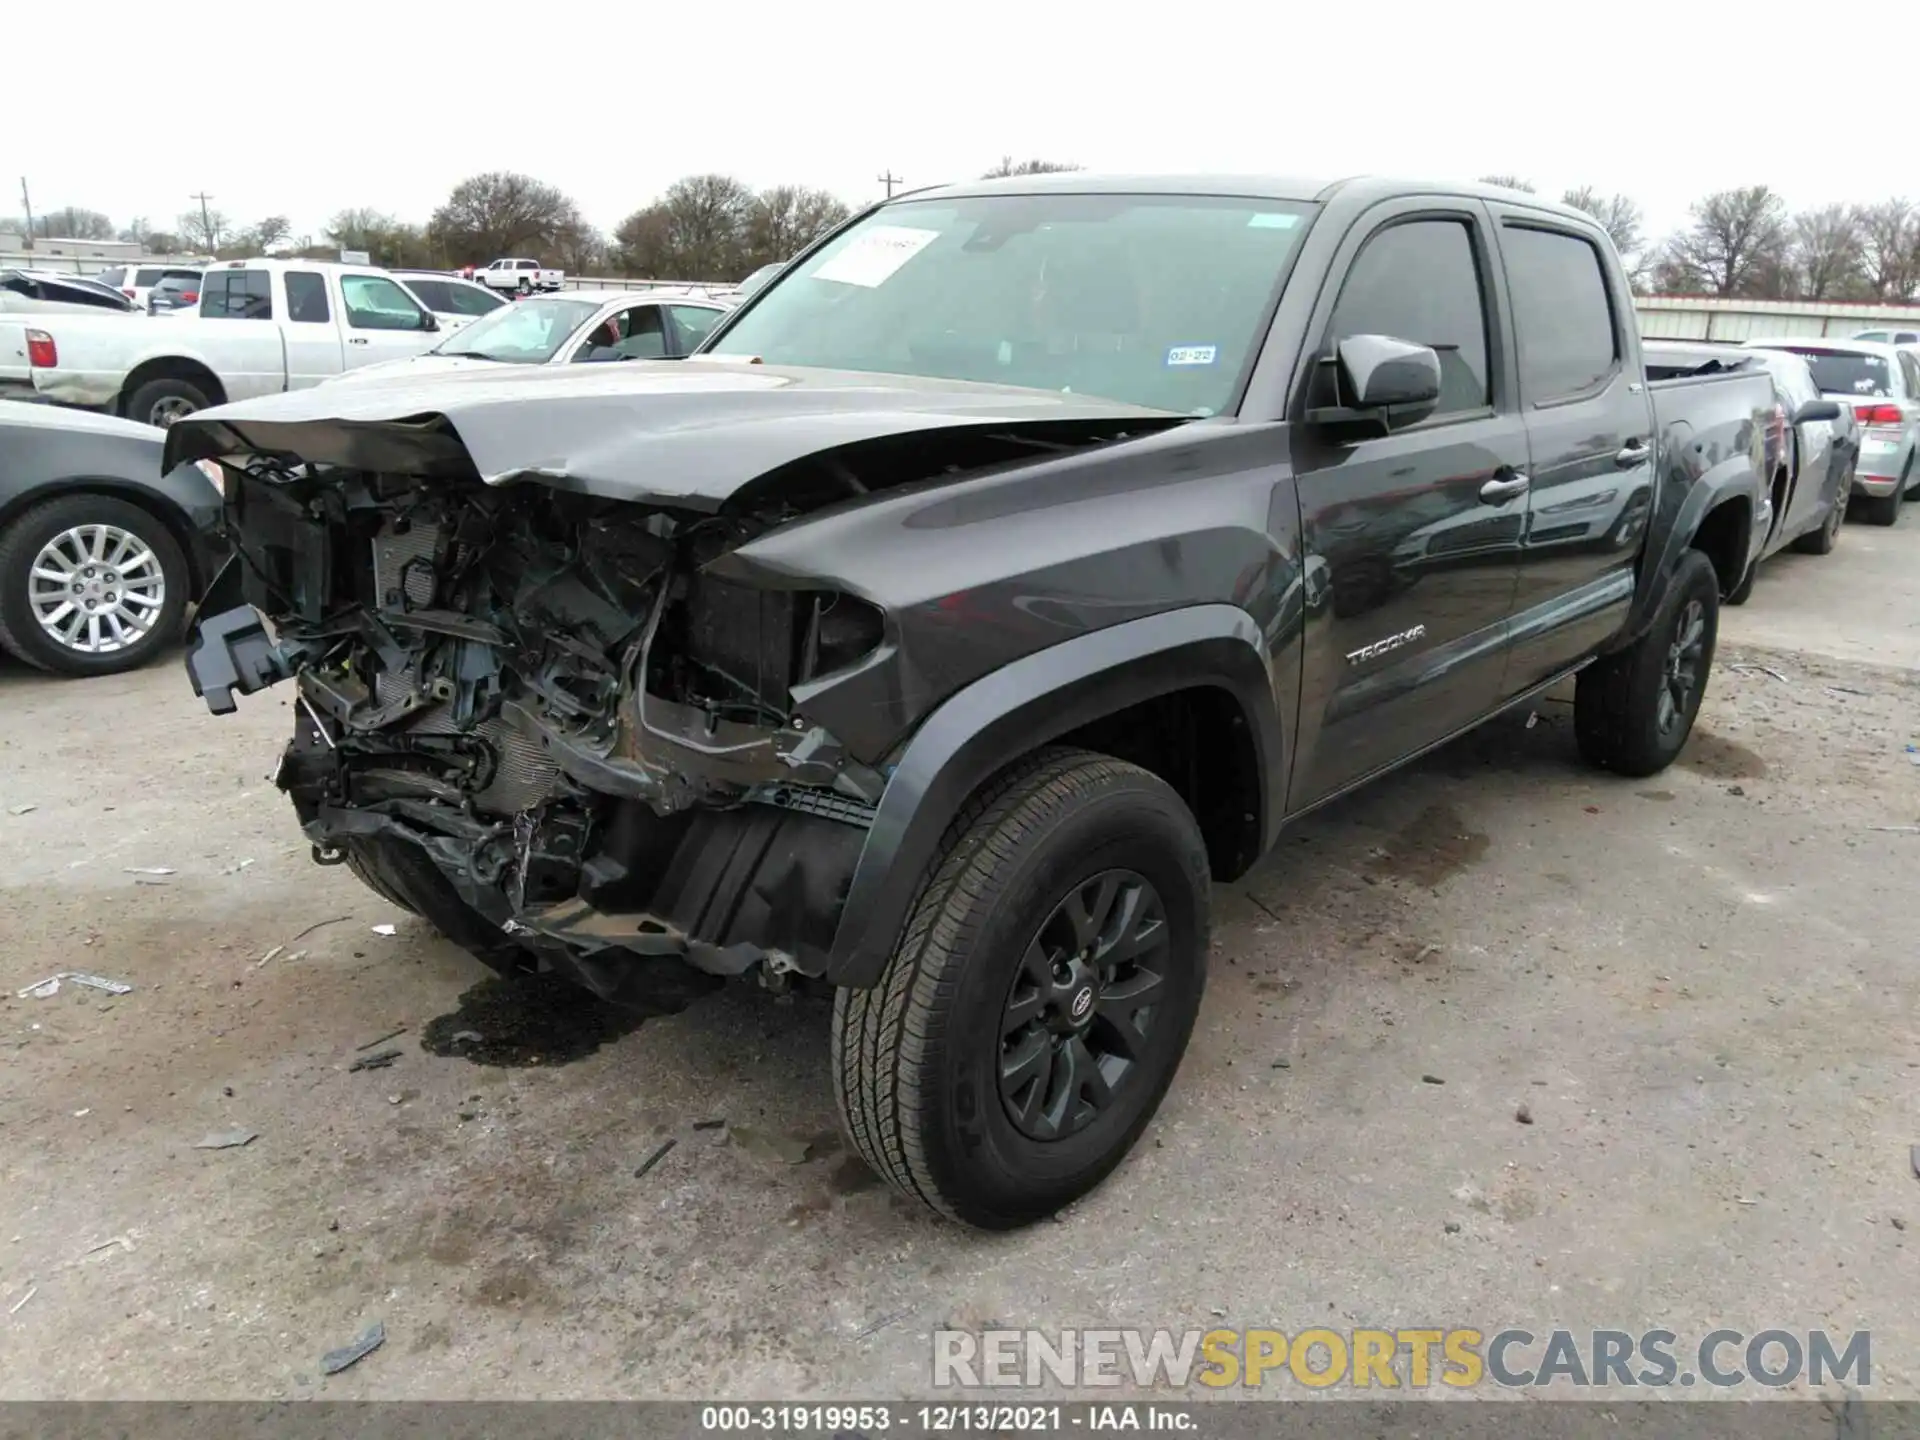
(170, 367)
(168, 515)
(1203, 664)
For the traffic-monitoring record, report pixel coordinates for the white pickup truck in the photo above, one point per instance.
(263, 326)
(522, 275)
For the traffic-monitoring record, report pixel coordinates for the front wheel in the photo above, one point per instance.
(1633, 710)
(1822, 541)
(90, 585)
(1040, 998)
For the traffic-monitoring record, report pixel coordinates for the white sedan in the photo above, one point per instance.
(453, 301)
(563, 329)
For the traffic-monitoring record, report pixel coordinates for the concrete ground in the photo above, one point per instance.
(1697, 986)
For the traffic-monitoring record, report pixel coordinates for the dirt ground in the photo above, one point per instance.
(1699, 986)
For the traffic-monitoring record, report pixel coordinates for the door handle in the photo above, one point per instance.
(1634, 452)
(356, 340)
(1498, 492)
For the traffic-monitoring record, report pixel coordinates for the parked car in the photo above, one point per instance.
(1882, 384)
(1812, 445)
(174, 293)
(580, 325)
(137, 281)
(263, 326)
(752, 283)
(938, 635)
(452, 300)
(45, 292)
(101, 549)
(1890, 337)
(522, 276)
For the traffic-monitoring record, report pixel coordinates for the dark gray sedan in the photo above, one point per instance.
(100, 552)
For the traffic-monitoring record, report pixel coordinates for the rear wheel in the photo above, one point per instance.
(1039, 999)
(1633, 710)
(90, 585)
(163, 401)
(399, 873)
(1822, 541)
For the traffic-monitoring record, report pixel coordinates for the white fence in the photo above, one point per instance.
(1688, 317)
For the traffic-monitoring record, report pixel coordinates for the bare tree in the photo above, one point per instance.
(204, 230)
(1890, 248)
(785, 220)
(580, 249)
(385, 239)
(1010, 166)
(1508, 182)
(272, 231)
(696, 231)
(1617, 214)
(502, 213)
(1828, 253)
(66, 222)
(1736, 245)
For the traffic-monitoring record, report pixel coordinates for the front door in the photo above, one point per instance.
(1417, 531)
(383, 322)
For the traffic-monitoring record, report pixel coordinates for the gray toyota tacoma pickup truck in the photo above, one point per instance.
(1006, 573)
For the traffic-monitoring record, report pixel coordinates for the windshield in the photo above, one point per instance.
(529, 332)
(1841, 372)
(1155, 300)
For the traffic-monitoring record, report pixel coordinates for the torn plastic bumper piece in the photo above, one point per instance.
(232, 651)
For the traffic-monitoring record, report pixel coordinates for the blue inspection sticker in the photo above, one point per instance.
(1192, 354)
(1272, 222)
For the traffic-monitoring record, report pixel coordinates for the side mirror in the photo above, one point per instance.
(1381, 379)
(1828, 410)
(427, 322)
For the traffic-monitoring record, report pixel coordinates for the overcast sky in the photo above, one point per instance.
(305, 110)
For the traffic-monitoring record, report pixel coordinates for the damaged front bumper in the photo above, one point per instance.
(594, 745)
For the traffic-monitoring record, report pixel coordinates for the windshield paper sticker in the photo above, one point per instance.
(1193, 354)
(1273, 222)
(873, 255)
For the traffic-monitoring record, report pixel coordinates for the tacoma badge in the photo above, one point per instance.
(1381, 647)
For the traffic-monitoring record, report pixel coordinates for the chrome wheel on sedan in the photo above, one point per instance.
(97, 589)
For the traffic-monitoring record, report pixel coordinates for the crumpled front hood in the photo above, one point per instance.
(685, 433)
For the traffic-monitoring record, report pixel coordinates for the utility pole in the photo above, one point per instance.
(26, 202)
(890, 180)
(206, 220)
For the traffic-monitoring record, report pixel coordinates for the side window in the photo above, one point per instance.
(1420, 281)
(643, 333)
(1906, 337)
(472, 300)
(1910, 367)
(148, 278)
(237, 295)
(307, 298)
(693, 322)
(1562, 316)
(373, 302)
(112, 277)
(430, 293)
(1875, 335)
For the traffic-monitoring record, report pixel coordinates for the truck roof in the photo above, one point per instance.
(1308, 189)
(263, 262)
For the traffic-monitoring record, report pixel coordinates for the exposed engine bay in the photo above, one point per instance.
(592, 740)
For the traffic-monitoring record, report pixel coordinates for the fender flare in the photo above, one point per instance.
(1733, 480)
(982, 728)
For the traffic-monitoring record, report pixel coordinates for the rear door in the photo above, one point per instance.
(1812, 446)
(1416, 532)
(691, 325)
(381, 320)
(1589, 431)
(243, 336)
(313, 336)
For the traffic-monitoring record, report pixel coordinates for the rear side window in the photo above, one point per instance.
(307, 298)
(148, 277)
(1879, 336)
(472, 300)
(236, 295)
(1420, 281)
(1561, 314)
(433, 293)
(694, 322)
(114, 277)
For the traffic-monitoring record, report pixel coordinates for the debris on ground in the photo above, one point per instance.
(336, 920)
(1452, 1227)
(118, 1242)
(227, 1139)
(1431, 1080)
(43, 989)
(381, 1039)
(151, 880)
(656, 1157)
(371, 1339)
(1524, 1115)
(237, 868)
(149, 870)
(1282, 1065)
(1913, 754)
(379, 1060)
(876, 1326)
(1845, 690)
(708, 1124)
(1913, 1158)
(1896, 829)
(1533, 718)
(386, 929)
(14, 1309)
(21, 809)
(764, 1145)
(1764, 670)
(1898, 1223)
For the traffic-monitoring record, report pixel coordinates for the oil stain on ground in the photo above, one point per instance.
(1437, 845)
(523, 1020)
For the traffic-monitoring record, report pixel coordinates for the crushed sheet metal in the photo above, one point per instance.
(371, 1339)
(227, 1139)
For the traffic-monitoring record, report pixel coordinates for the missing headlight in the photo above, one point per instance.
(839, 631)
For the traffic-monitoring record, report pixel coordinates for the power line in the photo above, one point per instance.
(206, 219)
(26, 202)
(890, 180)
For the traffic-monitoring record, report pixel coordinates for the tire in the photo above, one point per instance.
(1743, 592)
(1619, 720)
(1882, 509)
(917, 1059)
(149, 585)
(163, 401)
(1822, 541)
(400, 874)
(524, 289)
